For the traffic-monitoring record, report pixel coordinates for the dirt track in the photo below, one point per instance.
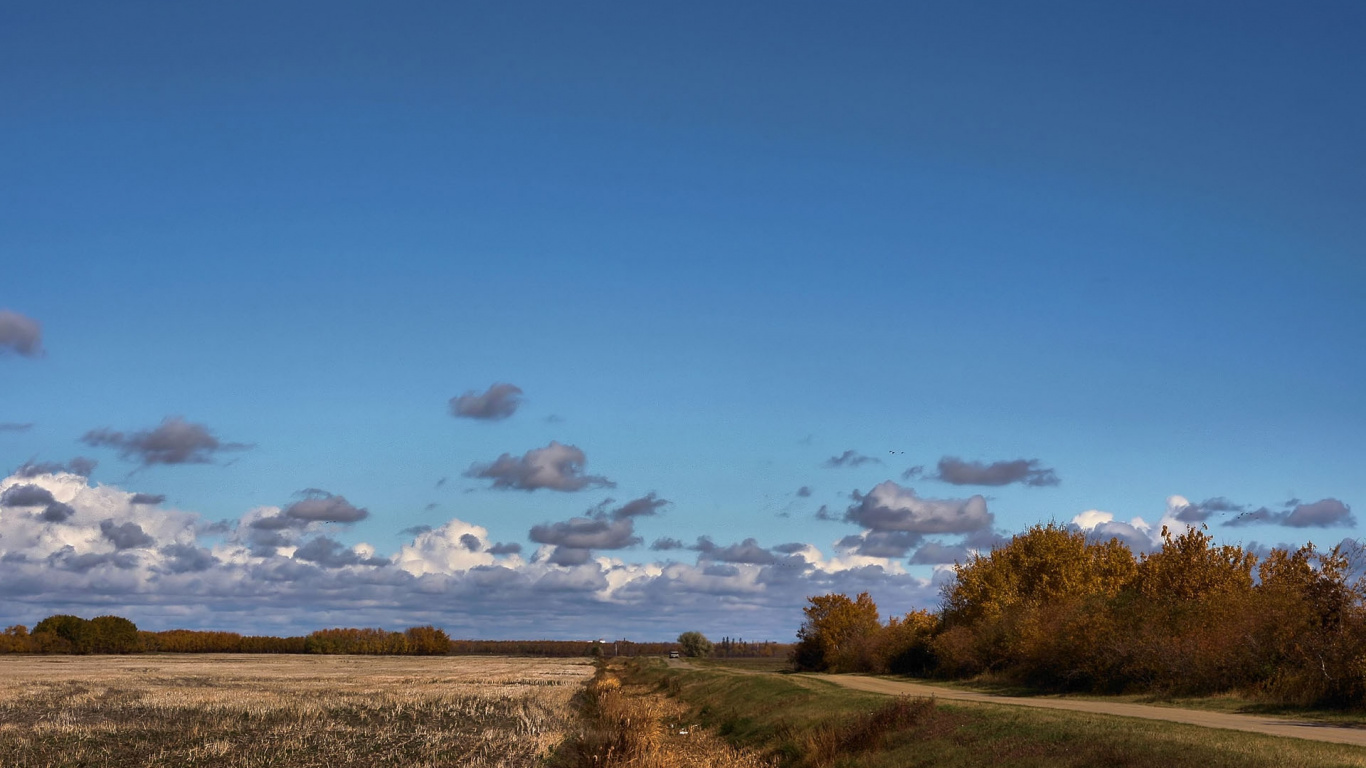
(1271, 726)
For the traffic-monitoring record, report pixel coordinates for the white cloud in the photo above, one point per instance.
(441, 551)
(269, 572)
(1139, 534)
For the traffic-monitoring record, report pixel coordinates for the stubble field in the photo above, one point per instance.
(247, 711)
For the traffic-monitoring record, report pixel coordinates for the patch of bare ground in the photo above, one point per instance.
(286, 711)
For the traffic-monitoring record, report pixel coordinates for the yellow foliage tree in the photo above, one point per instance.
(836, 631)
(1045, 564)
(1190, 567)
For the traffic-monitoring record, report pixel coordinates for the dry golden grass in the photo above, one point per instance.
(634, 726)
(286, 711)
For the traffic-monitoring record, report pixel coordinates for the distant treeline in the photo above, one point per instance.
(732, 648)
(115, 634)
(1054, 610)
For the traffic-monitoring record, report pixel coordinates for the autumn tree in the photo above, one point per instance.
(837, 633)
(16, 639)
(904, 645)
(1045, 564)
(1190, 567)
(694, 644)
(427, 641)
(61, 634)
(113, 634)
(1312, 631)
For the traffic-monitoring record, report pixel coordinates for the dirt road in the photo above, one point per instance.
(1271, 726)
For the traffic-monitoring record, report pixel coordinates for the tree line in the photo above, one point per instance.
(115, 634)
(1054, 610)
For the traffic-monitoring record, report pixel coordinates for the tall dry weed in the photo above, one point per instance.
(868, 732)
(632, 727)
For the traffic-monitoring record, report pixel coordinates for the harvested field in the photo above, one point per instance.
(287, 711)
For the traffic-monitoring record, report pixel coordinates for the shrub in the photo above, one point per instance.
(694, 644)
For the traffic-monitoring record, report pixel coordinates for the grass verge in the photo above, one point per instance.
(803, 723)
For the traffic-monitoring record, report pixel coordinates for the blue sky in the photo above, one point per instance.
(714, 248)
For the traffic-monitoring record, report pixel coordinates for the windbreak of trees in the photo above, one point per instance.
(192, 641)
(114, 634)
(558, 648)
(1053, 610)
(606, 648)
(417, 641)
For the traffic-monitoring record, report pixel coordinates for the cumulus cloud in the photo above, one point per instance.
(174, 441)
(890, 507)
(569, 556)
(164, 567)
(30, 495)
(850, 458)
(323, 507)
(125, 535)
(587, 533)
(985, 540)
(330, 553)
(505, 548)
(20, 335)
(1325, 513)
(604, 527)
(557, 467)
(667, 544)
(78, 466)
(81, 465)
(646, 505)
(934, 553)
(26, 495)
(56, 512)
(1024, 471)
(186, 558)
(445, 550)
(498, 402)
(1138, 534)
(883, 544)
(747, 551)
(1199, 513)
